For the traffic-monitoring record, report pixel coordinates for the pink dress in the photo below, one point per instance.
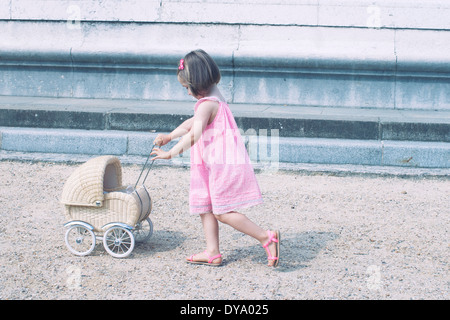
(222, 177)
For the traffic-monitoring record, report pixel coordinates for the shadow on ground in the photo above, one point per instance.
(297, 249)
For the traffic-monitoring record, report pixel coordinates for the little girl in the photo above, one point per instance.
(222, 177)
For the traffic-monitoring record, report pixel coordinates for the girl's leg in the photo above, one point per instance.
(211, 231)
(243, 224)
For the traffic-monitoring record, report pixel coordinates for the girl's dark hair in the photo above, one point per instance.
(199, 72)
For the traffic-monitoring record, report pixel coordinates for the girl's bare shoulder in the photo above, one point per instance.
(208, 105)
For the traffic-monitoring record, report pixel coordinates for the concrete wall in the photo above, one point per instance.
(369, 54)
(400, 14)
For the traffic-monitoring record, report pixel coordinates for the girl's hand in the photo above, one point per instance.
(162, 139)
(160, 154)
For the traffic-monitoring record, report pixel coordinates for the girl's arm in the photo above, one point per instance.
(182, 129)
(197, 126)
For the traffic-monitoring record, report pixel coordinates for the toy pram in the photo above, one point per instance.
(97, 206)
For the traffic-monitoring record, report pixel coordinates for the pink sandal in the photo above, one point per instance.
(273, 237)
(209, 262)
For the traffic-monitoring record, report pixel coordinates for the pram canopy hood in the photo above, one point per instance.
(86, 184)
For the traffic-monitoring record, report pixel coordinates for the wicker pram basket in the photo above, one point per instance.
(96, 203)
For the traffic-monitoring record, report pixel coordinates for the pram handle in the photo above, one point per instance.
(143, 168)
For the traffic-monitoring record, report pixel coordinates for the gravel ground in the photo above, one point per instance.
(343, 237)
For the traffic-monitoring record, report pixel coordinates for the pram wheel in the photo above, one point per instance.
(143, 230)
(80, 240)
(118, 242)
